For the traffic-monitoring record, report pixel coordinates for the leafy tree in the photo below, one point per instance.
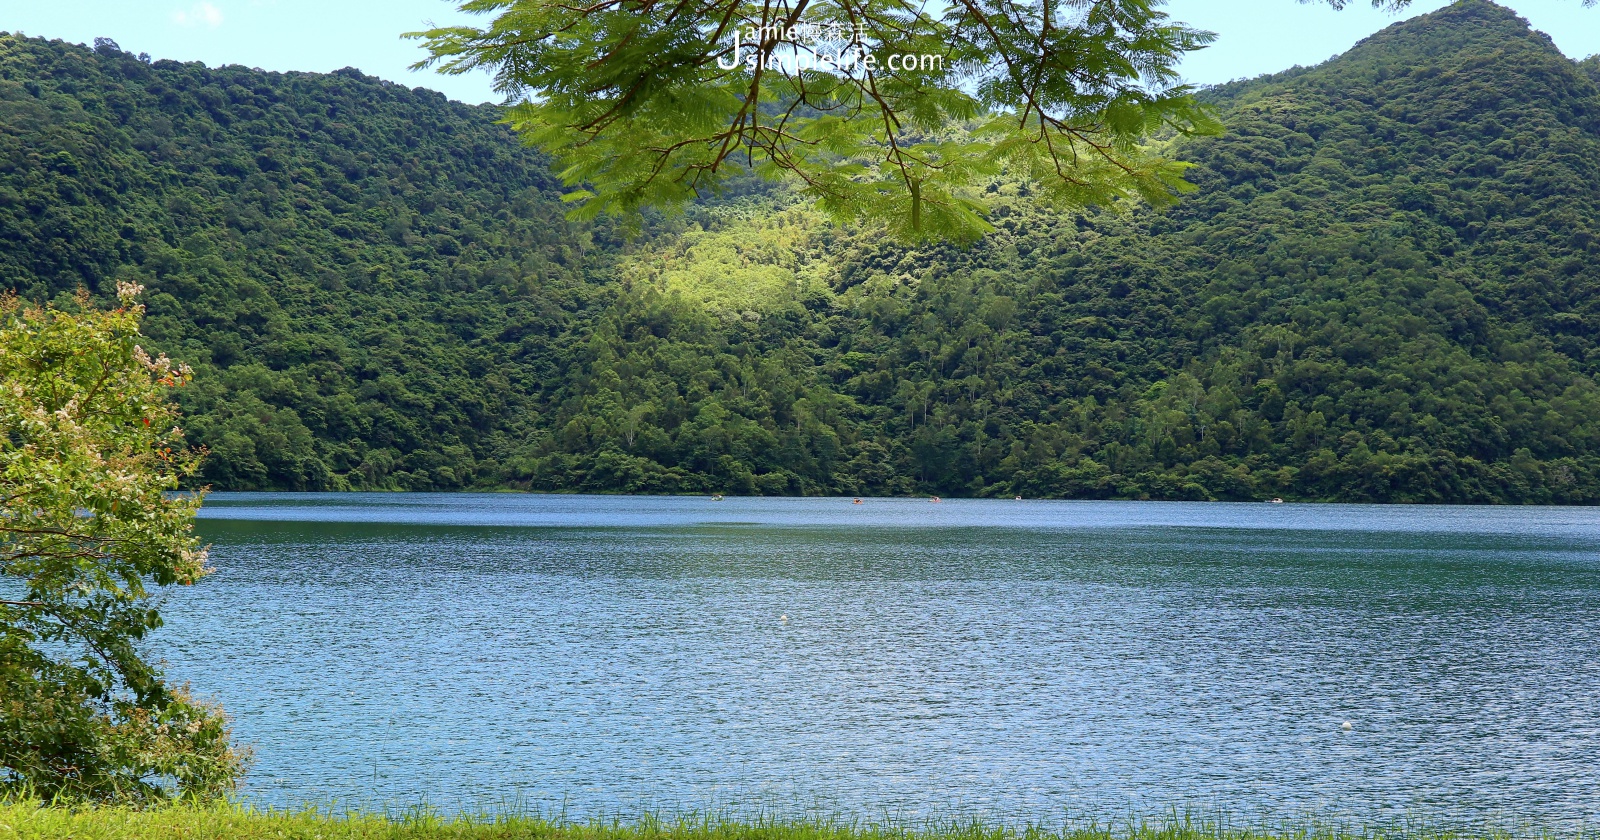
(659, 102)
(645, 102)
(89, 457)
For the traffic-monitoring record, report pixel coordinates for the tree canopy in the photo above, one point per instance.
(890, 111)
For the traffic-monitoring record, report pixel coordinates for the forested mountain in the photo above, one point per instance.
(1384, 290)
(370, 280)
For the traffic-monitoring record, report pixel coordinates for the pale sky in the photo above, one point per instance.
(1256, 36)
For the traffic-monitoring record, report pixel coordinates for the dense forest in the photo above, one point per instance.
(1383, 290)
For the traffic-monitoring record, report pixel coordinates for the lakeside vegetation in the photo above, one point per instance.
(1384, 290)
(30, 821)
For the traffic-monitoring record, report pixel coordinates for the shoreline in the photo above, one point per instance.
(28, 820)
(504, 492)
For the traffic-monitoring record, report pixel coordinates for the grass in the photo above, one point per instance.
(31, 821)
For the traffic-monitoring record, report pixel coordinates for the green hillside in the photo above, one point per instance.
(367, 278)
(1385, 290)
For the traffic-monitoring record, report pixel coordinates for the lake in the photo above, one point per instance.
(1012, 659)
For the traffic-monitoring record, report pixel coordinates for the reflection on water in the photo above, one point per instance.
(1014, 659)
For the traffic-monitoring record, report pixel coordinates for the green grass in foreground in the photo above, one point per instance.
(26, 821)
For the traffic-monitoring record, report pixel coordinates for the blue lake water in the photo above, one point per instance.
(1018, 660)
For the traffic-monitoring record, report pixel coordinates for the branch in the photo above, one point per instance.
(52, 532)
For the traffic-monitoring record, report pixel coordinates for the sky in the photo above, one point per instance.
(1254, 36)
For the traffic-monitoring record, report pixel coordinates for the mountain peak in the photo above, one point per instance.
(1460, 25)
(1445, 69)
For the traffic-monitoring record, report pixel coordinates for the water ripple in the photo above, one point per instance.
(1008, 659)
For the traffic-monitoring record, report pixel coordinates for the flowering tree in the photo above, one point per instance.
(89, 457)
